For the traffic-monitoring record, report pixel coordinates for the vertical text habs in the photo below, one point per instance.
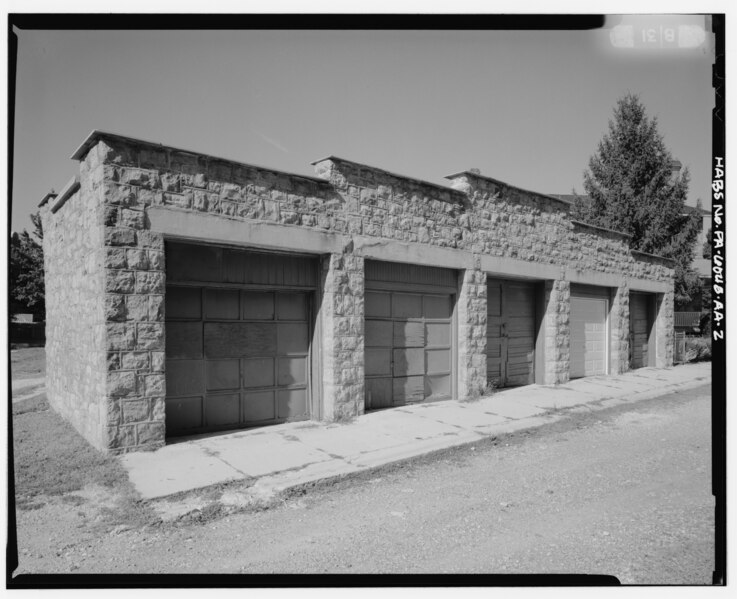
(719, 253)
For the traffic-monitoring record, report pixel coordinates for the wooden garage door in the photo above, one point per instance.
(510, 337)
(236, 356)
(408, 334)
(640, 328)
(589, 309)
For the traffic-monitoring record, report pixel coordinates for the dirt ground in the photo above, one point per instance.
(623, 492)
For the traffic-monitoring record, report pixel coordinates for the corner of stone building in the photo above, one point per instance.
(131, 297)
(74, 315)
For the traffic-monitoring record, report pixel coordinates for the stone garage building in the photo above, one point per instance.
(188, 294)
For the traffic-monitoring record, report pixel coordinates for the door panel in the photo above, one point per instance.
(511, 330)
(184, 377)
(222, 410)
(640, 329)
(588, 353)
(409, 334)
(243, 363)
(408, 389)
(407, 347)
(223, 374)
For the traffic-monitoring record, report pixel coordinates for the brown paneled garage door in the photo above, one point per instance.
(589, 339)
(408, 334)
(641, 318)
(237, 348)
(510, 336)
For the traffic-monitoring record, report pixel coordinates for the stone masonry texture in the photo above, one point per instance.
(619, 329)
(106, 274)
(342, 341)
(472, 315)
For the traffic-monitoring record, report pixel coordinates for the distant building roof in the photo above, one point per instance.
(690, 209)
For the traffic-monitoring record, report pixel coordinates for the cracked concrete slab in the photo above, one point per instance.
(510, 407)
(460, 415)
(176, 468)
(348, 441)
(272, 459)
(256, 456)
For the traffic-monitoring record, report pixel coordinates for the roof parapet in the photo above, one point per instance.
(66, 193)
(98, 135)
(472, 174)
(49, 196)
(362, 165)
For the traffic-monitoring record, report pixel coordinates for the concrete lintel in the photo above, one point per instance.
(589, 277)
(649, 286)
(412, 253)
(496, 265)
(206, 227)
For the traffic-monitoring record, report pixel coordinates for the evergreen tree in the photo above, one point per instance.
(26, 280)
(631, 189)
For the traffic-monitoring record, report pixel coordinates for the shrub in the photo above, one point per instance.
(698, 349)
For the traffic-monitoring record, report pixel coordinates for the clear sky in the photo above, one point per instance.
(525, 107)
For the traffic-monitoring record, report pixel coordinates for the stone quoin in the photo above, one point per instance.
(187, 293)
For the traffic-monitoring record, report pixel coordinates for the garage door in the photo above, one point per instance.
(589, 309)
(640, 328)
(237, 353)
(510, 342)
(408, 334)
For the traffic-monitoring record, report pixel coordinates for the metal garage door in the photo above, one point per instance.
(408, 334)
(510, 341)
(237, 349)
(641, 307)
(589, 339)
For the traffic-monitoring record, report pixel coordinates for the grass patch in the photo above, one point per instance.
(28, 363)
(51, 458)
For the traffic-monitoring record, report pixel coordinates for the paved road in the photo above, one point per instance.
(624, 492)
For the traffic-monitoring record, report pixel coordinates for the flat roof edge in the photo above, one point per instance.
(98, 134)
(500, 182)
(671, 260)
(580, 223)
(66, 193)
(390, 173)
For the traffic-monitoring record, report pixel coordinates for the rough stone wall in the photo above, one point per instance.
(515, 223)
(181, 180)
(380, 204)
(557, 325)
(342, 322)
(619, 327)
(664, 330)
(134, 279)
(75, 325)
(472, 316)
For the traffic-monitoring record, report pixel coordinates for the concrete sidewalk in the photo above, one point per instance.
(272, 459)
